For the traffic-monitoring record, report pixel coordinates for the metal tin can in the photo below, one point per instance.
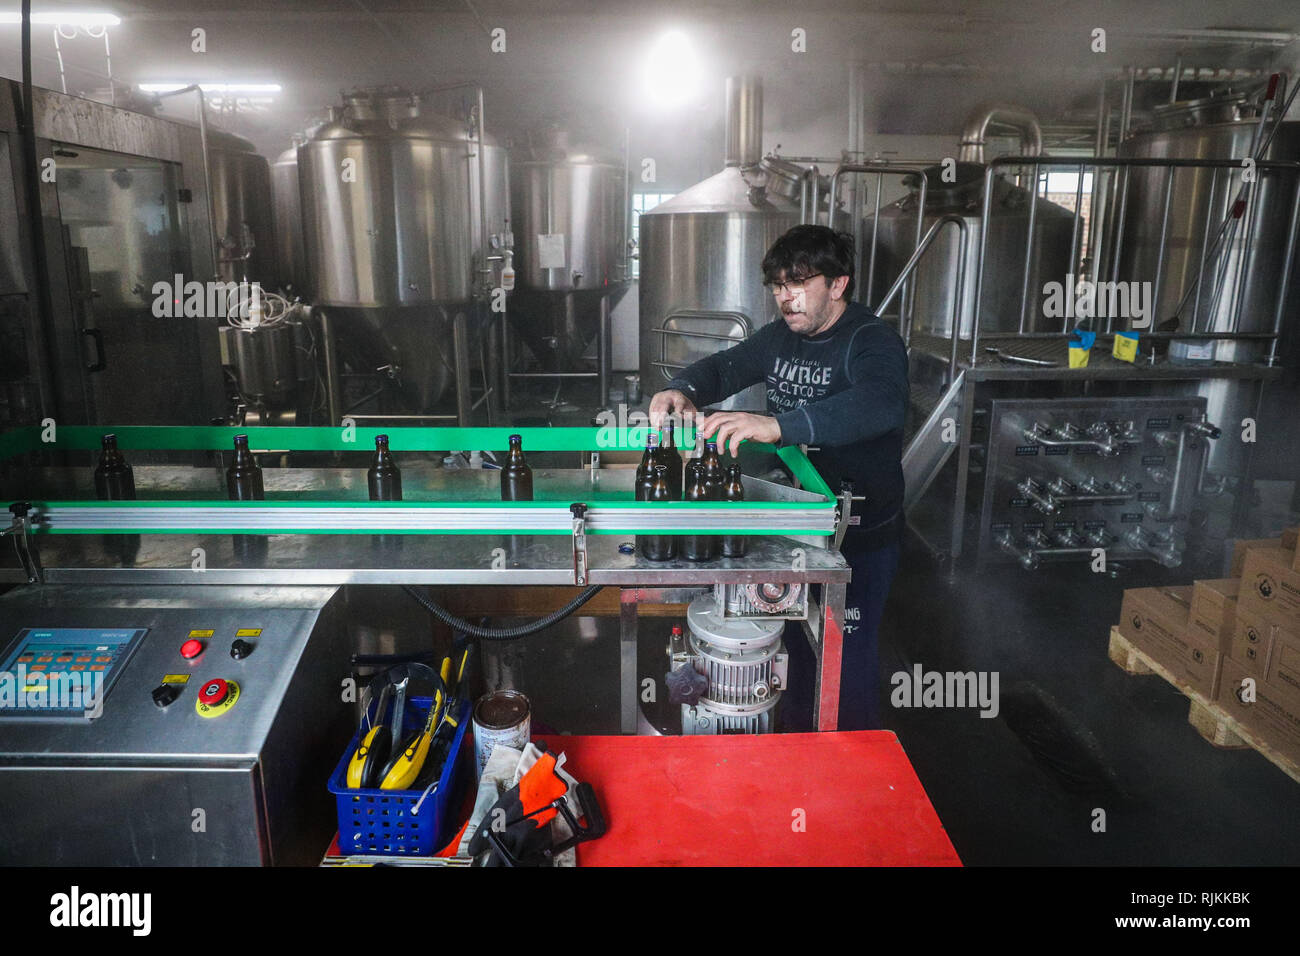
(501, 717)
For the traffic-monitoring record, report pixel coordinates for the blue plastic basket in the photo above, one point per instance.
(385, 822)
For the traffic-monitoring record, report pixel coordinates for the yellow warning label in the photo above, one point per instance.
(176, 678)
(201, 633)
(249, 632)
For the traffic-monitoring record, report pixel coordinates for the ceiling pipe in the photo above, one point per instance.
(975, 133)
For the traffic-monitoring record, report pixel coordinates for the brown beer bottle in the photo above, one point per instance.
(699, 547)
(114, 479)
(658, 547)
(244, 477)
(713, 473)
(669, 458)
(645, 471)
(384, 478)
(516, 476)
(733, 545)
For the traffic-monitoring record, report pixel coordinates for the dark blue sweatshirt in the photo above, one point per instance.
(843, 391)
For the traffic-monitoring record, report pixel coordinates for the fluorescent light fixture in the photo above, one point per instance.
(212, 87)
(672, 70)
(73, 18)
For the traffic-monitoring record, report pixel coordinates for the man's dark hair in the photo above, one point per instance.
(808, 250)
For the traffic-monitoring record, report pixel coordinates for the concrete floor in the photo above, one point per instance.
(1075, 733)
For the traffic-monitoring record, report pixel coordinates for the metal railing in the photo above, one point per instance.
(1210, 251)
(881, 170)
(905, 326)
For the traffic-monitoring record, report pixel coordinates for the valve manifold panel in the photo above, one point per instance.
(1067, 476)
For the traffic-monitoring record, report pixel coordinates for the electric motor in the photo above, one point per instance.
(742, 666)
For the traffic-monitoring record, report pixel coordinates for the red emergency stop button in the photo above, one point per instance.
(191, 648)
(214, 692)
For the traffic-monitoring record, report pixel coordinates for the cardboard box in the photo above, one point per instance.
(1284, 661)
(1242, 545)
(1290, 538)
(1155, 620)
(1214, 612)
(1270, 587)
(1274, 715)
(1252, 643)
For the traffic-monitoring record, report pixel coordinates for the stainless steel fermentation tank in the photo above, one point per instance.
(1004, 258)
(287, 202)
(1240, 289)
(243, 210)
(570, 231)
(391, 228)
(701, 287)
(959, 191)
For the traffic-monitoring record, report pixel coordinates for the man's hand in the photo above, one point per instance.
(670, 402)
(731, 428)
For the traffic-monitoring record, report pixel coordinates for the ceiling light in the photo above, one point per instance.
(212, 87)
(672, 70)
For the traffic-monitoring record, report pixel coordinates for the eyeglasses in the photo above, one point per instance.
(794, 286)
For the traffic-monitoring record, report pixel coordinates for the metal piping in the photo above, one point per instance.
(744, 124)
(974, 134)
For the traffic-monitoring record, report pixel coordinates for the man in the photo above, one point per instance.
(836, 378)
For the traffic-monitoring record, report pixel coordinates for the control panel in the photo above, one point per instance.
(183, 676)
(208, 721)
(56, 672)
(1066, 477)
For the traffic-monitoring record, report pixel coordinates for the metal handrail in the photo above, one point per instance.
(1125, 164)
(881, 170)
(910, 266)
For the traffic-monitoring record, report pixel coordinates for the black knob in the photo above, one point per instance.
(240, 649)
(164, 694)
(19, 509)
(578, 510)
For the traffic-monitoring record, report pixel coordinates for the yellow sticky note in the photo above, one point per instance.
(1079, 357)
(1125, 347)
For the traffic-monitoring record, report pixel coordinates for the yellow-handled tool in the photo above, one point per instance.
(372, 752)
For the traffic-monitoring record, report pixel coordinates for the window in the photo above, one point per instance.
(643, 202)
(1061, 188)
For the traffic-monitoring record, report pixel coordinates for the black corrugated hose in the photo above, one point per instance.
(502, 633)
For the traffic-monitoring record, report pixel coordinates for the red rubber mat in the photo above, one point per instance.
(828, 799)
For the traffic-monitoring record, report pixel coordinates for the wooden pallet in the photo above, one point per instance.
(1211, 721)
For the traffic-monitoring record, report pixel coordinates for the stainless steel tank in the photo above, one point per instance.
(933, 304)
(244, 210)
(1251, 266)
(391, 230)
(1201, 200)
(701, 287)
(570, 228)
(288, 219)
